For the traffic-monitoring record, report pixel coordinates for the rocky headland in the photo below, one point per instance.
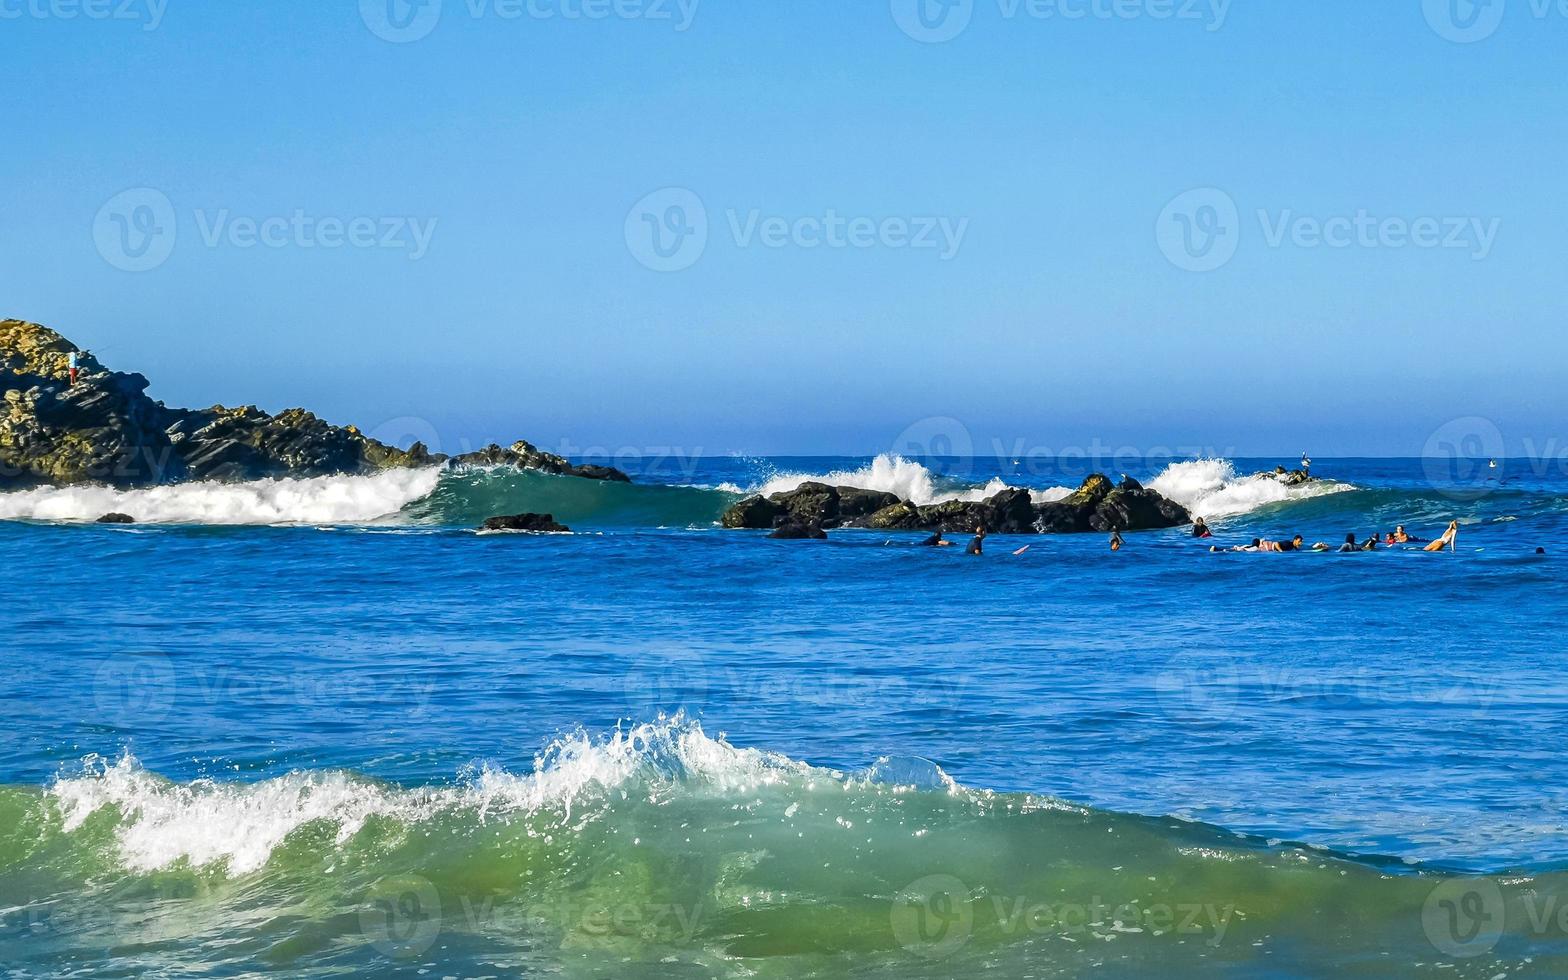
(104, 429)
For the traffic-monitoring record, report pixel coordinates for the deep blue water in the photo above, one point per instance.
(1395, 705)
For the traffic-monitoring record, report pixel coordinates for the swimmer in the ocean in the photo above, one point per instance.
(936, 541)
(1349, 545)
(1449, 539)
(1200, 529)
(1370, 544)
(1116, 540)
(977, 546)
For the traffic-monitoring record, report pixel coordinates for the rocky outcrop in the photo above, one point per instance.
(1097, 505)
(248, 444)
(809, 504)
(537, 523)
(116, 519)
(524, 455)
(1291, 478)
(105, 429)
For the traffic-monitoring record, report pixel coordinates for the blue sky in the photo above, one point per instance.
(1071, 222)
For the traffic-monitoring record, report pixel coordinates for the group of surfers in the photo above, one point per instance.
(1398, 536)
(1200, 529)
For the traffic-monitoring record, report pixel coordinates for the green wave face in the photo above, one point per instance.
(661, 852)
(468, 496)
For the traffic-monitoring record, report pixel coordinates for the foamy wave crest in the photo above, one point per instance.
(887, 473)
(319, 500)
(1210, 488)
(235, 827)
(890, 474)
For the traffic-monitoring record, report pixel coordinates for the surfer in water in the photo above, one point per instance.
(1349, 545)
(1200, 529)
(1116, 540)
(936, 541)
(977, 546)
(1449, 539)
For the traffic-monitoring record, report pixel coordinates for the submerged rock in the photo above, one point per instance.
(116, 519)
(793, 530)
(544, 523)
(105, 429)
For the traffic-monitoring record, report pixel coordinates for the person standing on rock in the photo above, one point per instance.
(977, 546)
(73, 368)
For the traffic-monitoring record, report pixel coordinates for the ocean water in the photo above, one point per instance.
(322, 728)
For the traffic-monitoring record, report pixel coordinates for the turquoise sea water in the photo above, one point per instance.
(324, 729)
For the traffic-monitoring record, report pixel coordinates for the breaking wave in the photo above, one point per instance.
(657, 841)
(317, 500)
(466, 496)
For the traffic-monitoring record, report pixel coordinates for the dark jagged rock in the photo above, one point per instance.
(1096, 505)
(810, 503)
(105, 429)
(541, 523)
(248, 444)
(1137, 510)
(793, 530)
(116, 519)
(525, 455)
(1291, 478)
(753, 512)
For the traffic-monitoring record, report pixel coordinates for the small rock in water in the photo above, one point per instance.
(789, 530)
(116, 519)
(525, 522)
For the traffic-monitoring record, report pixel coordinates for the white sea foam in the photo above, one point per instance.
(887, 473)
(237, 826)
(1207, 487)
(319, 500)
(1210, 488)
